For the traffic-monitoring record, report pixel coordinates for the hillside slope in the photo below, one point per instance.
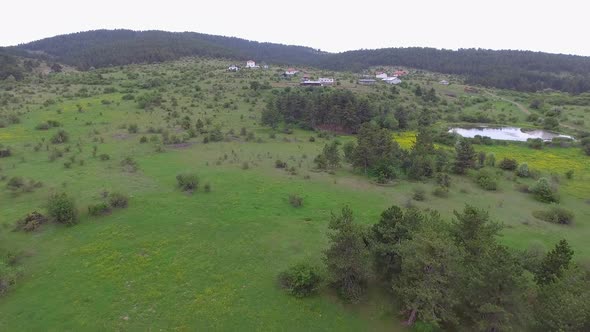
(507, 69)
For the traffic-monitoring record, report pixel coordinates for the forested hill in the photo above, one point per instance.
(519, 70)
(101, 48)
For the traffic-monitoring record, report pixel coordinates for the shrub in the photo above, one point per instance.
(491, 160)
(8, 275)
(542, 191)
(280, 164)
(187, 182)
(300, 280)
(569, 174)
(15, 183)
(104, 157)
(132, 128)
(443, 179)
(143, 139)
(295, 200)
(508, 164)
(31, 222)
(419, 194)
(129, 164)
(442, 192)
(556, 215)
(523, 170)
(118, 200)
(60, 137)
(207, 188)
(99, 209)
(486, 179)
(245, 165)
(5, 152)
(62, 209)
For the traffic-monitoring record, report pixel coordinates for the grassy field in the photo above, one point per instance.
(209, 261)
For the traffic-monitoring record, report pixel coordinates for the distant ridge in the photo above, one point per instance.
(508, 69)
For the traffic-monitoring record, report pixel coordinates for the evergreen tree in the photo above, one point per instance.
(465, 156)
(347, 257)
(554, 264)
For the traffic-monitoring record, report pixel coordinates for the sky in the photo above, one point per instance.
(334, 26)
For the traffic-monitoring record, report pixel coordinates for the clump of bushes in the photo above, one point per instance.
(99, 209)
(104, 157)
(441, 192)
(295, 200)
(300, 280)
(543, 192)
(486, 179)
(129, 165)
(62, 209)
(118, 200)
(280, 164)
(508, 164)
(132, 128)
(60, 137)
(419, 194)
(17, 184)
(556, 215)
(187, 182)
(5, 152)
(31, 222)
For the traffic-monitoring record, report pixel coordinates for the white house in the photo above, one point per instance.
(251, 64)
(392, 80)
(380, 75)
(444, 82)
(291, 71)
(233, 68)
(326, 80)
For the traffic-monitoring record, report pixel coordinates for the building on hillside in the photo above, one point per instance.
(251, 64)
(444, 82)
(326, 80)
(399, 73)
(392, 80)
(265, 66)
(291, 72)
(233, 68)
(366, 81)
(380, 75)
(310, 83)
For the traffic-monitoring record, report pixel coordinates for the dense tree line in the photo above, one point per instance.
(519, 70)
(457, 276)
(336, 110)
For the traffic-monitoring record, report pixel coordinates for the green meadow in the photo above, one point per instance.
(210, 260)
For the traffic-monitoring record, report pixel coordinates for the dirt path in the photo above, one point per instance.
(519, 105)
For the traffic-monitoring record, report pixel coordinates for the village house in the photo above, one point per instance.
(367, 81)
(233, 68)
(310, 83)
(399, 73)
(380, 75)
(444, 82)
(326, 80)
(392, 80)
(251, 64)
(291, 72)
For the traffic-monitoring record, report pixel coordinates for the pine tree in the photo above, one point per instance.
(465, 156)
(347, 257)
(554, 264)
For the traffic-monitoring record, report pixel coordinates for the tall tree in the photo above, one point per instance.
(465, 156)
(555, 263)
(347, 258)
(430, 267)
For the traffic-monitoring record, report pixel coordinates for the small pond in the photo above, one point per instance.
(507, 133)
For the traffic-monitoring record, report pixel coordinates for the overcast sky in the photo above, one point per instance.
(539, 25)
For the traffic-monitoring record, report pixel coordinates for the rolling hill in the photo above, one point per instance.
(507, 69)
